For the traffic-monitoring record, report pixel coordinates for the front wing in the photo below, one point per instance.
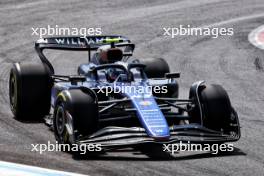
(120, 137)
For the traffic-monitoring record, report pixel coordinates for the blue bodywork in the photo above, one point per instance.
(148, 112)
(150, 116)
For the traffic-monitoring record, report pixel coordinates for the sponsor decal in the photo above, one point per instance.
(81, 41)
(145, 103)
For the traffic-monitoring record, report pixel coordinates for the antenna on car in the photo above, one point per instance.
(112, 44)
(89, 51)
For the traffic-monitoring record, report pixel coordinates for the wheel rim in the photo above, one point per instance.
(61, 124)
(13, 92)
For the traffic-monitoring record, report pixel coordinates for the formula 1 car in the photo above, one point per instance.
(113, 99)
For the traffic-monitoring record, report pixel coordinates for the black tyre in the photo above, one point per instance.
(78, 110)
(155, 67)
(216, 108)
(29, 91)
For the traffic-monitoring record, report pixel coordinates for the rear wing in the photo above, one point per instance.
(81, 43)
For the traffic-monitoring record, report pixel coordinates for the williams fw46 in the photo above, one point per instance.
(89, 107)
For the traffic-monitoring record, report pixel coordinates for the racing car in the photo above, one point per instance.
(84, 110)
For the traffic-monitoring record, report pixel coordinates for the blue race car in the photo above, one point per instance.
(117, 101)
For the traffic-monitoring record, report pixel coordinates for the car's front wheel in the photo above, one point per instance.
(75, 115)
(217, 112)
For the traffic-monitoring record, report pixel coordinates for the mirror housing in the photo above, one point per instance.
(172, 75)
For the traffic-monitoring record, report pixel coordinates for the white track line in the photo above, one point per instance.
(13, 169)
(234, 20)
(252, 37)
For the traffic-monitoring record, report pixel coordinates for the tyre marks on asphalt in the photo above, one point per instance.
(259, 64)
(4, 75)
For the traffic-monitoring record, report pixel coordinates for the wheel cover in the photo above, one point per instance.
(61, 124)
(13, 92)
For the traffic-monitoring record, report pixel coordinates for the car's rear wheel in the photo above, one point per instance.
(29, 91)
(155, 67)
(75, 115)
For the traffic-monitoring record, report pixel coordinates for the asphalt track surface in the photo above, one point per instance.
(230, 61)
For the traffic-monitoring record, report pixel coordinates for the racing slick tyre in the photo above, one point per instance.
(155, 67)
(216, 108)
(75, 114)
(29, 91)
